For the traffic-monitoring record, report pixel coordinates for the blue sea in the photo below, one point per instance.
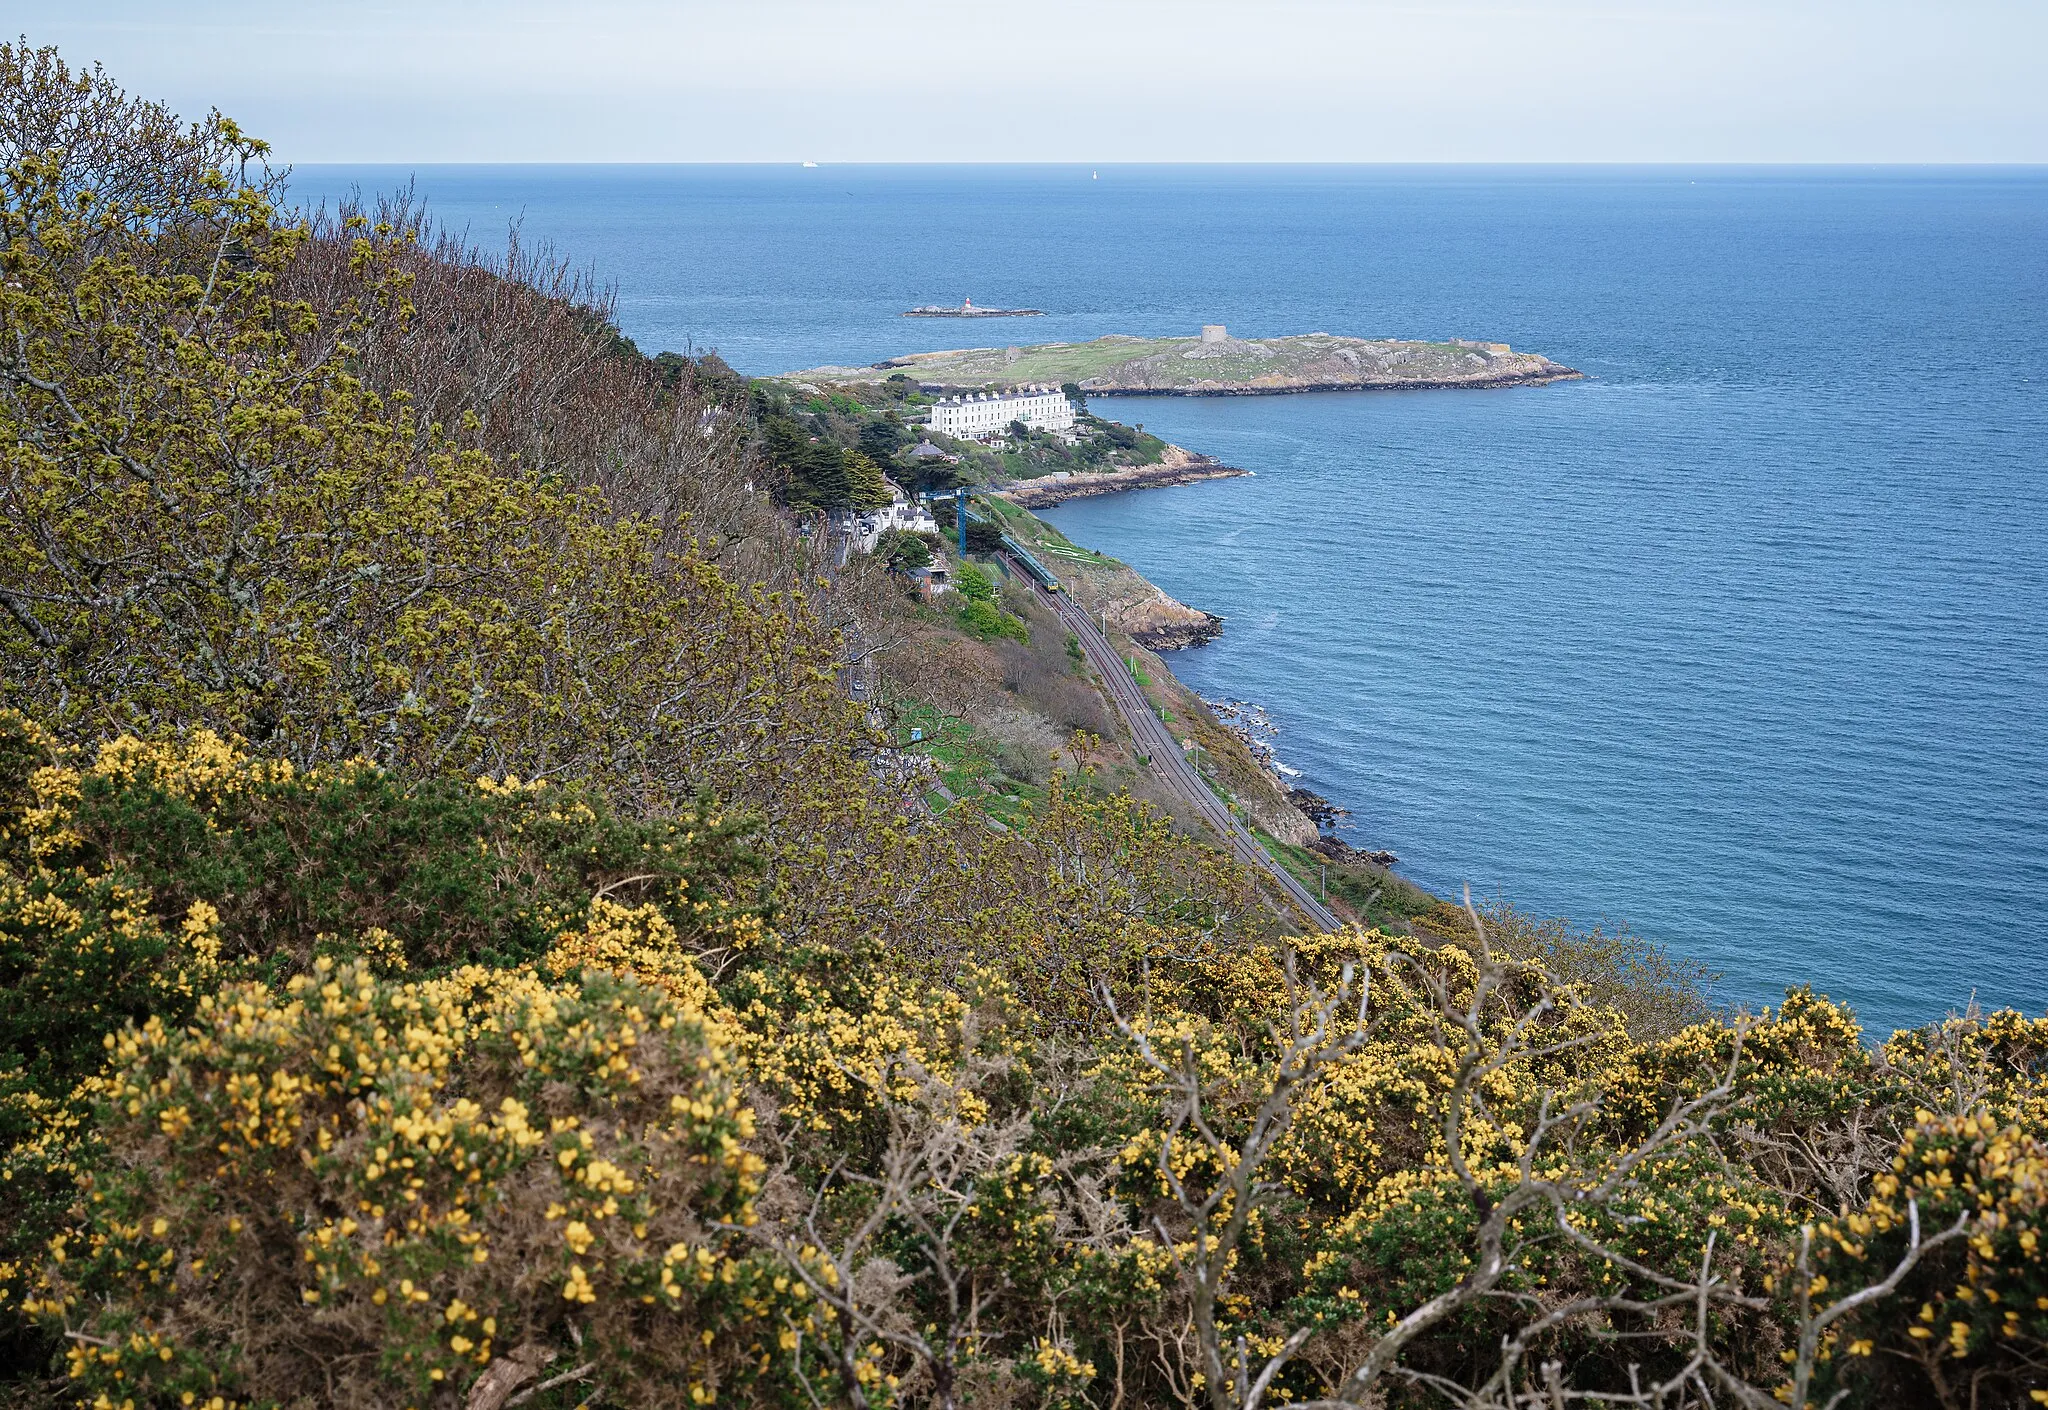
(1742, 641)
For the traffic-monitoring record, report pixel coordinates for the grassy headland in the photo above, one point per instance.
(1234, 366)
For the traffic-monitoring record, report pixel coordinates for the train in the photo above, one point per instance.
(1033, 569)
(1020, 555)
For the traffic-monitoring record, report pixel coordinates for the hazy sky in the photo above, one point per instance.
(1087, 80)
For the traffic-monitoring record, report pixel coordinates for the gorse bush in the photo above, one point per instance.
(459, 945)
(361, 1191)
(347, 579)
(288, 1190)
(156, 870)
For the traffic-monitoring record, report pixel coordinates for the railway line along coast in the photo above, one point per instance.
(1167, 756)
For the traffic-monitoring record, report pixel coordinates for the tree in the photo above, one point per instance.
(879, 440)
(900, 551)
(278, 550)
(866, 489)
(122, 153)
(974, 583)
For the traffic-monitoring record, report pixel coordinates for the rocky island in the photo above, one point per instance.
(1216, 364)
(968, 310)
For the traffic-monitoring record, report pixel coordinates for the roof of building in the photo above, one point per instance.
(1031, 390)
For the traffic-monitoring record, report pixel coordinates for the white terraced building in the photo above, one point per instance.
(988, 414)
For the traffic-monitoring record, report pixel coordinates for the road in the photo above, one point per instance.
(1155, 739)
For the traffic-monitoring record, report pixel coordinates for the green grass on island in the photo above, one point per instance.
(1117, 363)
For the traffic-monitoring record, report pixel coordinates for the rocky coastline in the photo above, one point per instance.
(1256, 730)
(1280, 387)
(1179, 467)
(1166, 631)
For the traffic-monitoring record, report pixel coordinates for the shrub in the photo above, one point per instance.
(974, 583)
(989, 622)
(364, 1192)
(142, 877)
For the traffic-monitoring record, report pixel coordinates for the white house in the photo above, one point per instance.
(905, 513)
(985, 414)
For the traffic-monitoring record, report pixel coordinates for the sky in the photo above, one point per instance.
(1092, 81)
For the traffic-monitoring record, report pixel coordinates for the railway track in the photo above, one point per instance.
(1153, 738)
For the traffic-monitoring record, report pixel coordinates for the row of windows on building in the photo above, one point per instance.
(987, 413)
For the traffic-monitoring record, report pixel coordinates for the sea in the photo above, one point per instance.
(1741, 642)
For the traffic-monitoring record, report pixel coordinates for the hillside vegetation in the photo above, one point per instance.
(462, 944)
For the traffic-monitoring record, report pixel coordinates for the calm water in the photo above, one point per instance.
(1744, 640)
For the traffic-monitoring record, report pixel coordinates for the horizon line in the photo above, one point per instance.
(806, 163)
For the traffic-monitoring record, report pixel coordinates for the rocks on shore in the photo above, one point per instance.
(1160, 623)
(1176, 469)
(1337, 850)
(1199, 629)
(1321, 811)
(1325, 814)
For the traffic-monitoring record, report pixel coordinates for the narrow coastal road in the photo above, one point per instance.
(1155, 739)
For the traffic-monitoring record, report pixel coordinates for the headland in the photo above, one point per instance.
(1215, 364)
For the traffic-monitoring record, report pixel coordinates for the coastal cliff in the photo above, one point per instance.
(1222, 366)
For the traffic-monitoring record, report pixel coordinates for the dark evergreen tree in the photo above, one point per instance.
(822, 478)
(814, 472)
(879, 441)
(866, 489)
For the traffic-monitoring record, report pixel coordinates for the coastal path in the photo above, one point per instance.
(1154, 738)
